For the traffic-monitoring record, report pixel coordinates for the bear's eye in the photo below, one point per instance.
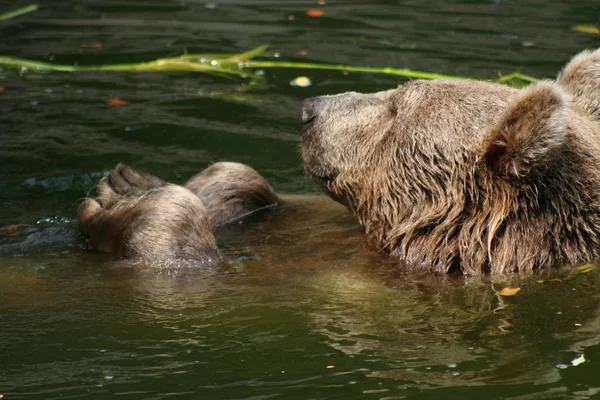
(392, 108)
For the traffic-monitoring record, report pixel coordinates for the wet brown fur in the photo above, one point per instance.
(468, 176)
(230, 191)
(140, 217)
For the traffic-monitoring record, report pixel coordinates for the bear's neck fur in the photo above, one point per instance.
(467, 219)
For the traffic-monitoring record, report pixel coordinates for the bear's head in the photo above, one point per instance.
(462, 175)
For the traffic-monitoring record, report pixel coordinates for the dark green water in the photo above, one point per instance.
(301, 309)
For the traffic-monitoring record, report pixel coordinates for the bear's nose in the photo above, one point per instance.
(310, 109)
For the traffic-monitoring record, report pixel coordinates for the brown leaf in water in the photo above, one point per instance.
(91, 45)
(315, 13)
(550, 280)
(2, 88)
(509, 291)
(115, 101)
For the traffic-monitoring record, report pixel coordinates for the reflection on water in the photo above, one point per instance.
(302, 307)
(294, 316)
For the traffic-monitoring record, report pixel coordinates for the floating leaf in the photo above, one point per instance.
(509, 291)
(315, 13)
(91, 45)
(586, 29)
(578, 360)
(585, 268)
(301, 81)
(330, 366)
(115, 101)
(549, 280)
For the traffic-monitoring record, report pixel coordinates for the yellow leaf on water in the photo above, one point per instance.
(586, 29)
(540, 281)
(509, 291)
(301, 81)
(585, 268)
(330, 366)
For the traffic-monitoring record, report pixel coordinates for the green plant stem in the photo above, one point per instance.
(164, 64)
(407, 73)
(20, 11)
(517, 75)
(238, 65)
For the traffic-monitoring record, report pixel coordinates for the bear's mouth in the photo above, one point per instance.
(323, 175)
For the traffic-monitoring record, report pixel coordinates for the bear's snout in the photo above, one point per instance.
(310, 109)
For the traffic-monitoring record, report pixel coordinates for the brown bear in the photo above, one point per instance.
(230, 191)
(459, 175)
(140, 217)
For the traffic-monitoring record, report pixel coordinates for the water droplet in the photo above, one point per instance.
(108, 377)
(215, 63)
(562, 366)
(451, 365)
(455, 373)
(49, 90)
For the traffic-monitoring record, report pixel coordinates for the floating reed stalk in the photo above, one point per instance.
(240, 65)
(19, 11)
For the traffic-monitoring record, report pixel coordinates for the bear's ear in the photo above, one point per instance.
(532, 128)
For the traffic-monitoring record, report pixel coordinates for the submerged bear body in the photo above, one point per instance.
(140, 217)
(467, 176)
